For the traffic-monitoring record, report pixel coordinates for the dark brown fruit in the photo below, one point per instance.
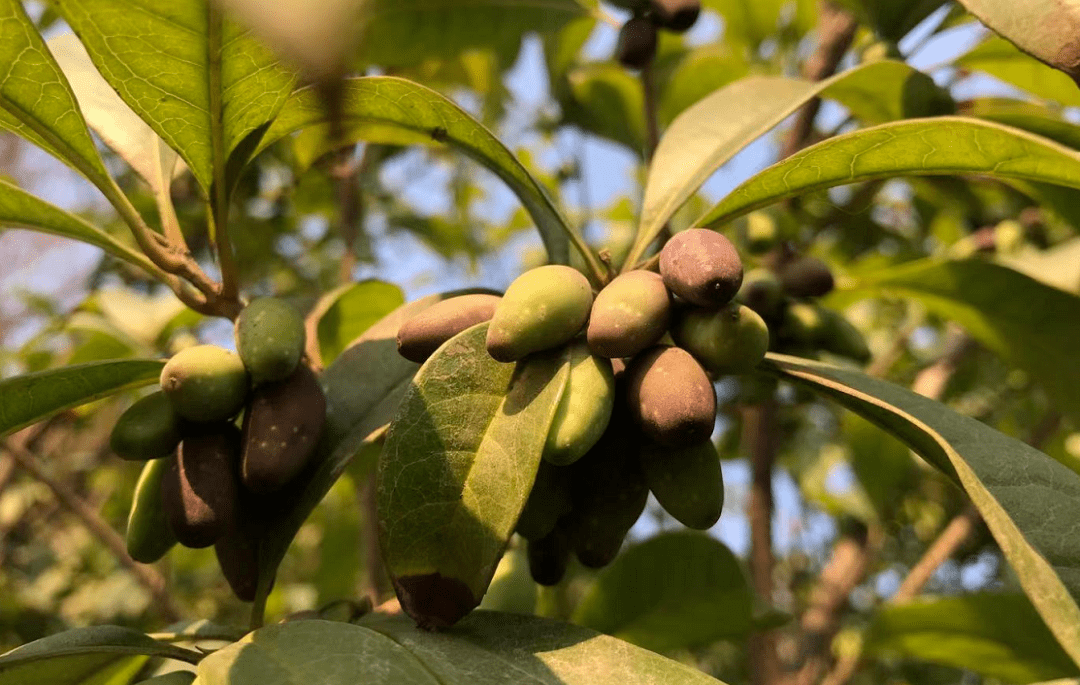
(199, 491)
(237, 551)
(702, 267)
(670, 396)
(421, 335)
(548, 500)
(281, 428)
(676, 15)
(806, 277)
(433, 600)
(549, 556)
(637, 43)
(629, 315)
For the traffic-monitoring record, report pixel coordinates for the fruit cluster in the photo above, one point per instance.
(637, 414)
(206, 480)
(636, 46)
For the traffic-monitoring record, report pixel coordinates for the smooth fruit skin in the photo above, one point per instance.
(804, 325)
(549, 500)
(702, 267)
(806, 277)
(542, 309)
(686, 481)
(148, 535)
(549, 556)
(842, 338)
(421, 335)
(281, 428)
(205, 383)
(270, 339)
(237, 549)
(629, 315)
(670, 396)
(676, 15)
(148, 429)
(729, 341)
(584, 408)
(762, 292)
(199, 490)
(636, 45)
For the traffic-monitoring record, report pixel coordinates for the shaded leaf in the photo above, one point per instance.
(1058, 266)
(350, 310)
(30, 398)
(606, 100)
(893, 19)
(1000, 58)
(1028, 501)
(173, 678)
(700, 72)
(1028, 116)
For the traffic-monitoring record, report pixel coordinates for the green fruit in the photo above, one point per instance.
(804, 325)
(806, 277)
(148, 429)
(676, 15)
(762, 292)
(731, 340)
(270, 339)
(421, 335)
(629, 315)
(149, 536)
(549, 557)
(205, 383)
(548, 501)
(842, 338)
(702, 267)
(281, 427)
(686, 481)
(543, 308)
(584, 408)
(199, 489)
(636, 45)
(670, 396)
(762, 233)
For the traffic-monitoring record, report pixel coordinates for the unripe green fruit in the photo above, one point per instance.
(803, 325)
(205, 383)
(148, 429)
(676, 15)
(806, 277)
(549, 500)
(670, 396)
(584, 408)
(148, 535)
(636, 46)
(199, 490)
(731, 340)
(549, 557)
(281, 427)
(543, 308)
(421, 335)
(702, 267)
(842, 338)
(629, 315)
(686, 481)
(270, 339)
(762, 292)
(762, 233)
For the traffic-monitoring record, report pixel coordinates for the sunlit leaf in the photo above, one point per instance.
(350, 310)
(1000, 58)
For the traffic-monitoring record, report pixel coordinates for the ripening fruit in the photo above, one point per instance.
(762, 292)
(584, 408)
(237, 550)
(281, 427)
(199, 490)
(806, 277)
(687, 482)
(637, 43)
(148, 535)
(549, 500)
(731, 340)
(421, 335)
(543, 308)
(205, 383)
(702, 267)
(549, 557)
(676, 15)
(270, 339)
(842, 338)
(148, 429)
(629, 315)
(670, 396)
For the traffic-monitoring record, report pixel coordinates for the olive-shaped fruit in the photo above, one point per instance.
(670, 396)
(676, 15)
(205, 383)
(237, 549)
(549, 557)
(270, 339)
(543, 308)
(148, 535)
(687, 482)
(842, 338)
(549, 500)
(702, 267)
(281, 427)
(762, 292)
(148, 429)
(762, 233)
(199, 490)
(421, 335)
(584, 408)
(803, 325)
(637, 41)
(629, 315)
(731, 340)
(806, 277)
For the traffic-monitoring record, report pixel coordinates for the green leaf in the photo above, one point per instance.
(995, 635)
(1028, 116)
(893, 19)
(202, 86)
(1028, 501)
(487, 648)
(84, 655)
(36, 101)
(646, 599)
(942, 145)
(460, 459)
(707, 135)
(606, 100)
(30, 398)
(1000, 58)
(1058, 266)
(754, 21)
(700, 72)
(383, 109)
(173, 678)
(352, 309)
(994, 305)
